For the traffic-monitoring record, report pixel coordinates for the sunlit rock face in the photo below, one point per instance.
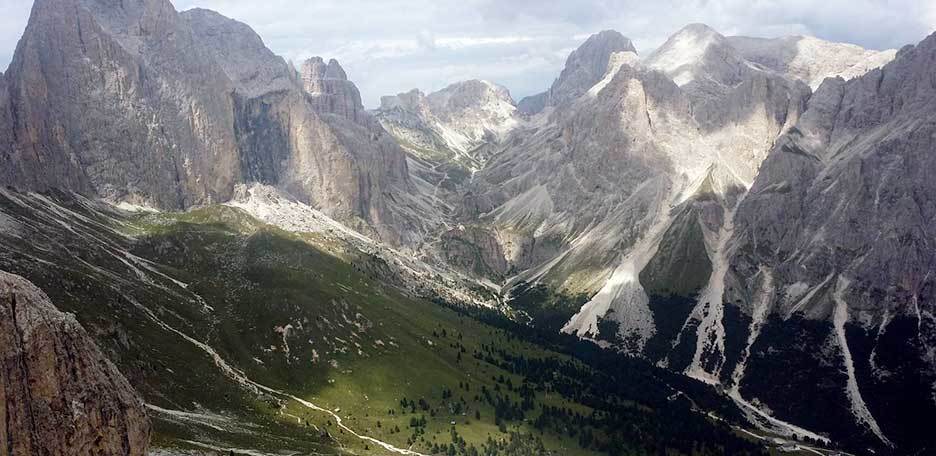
(810, 59)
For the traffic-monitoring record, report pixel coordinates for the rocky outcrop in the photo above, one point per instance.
(330, 90)
(58, 393)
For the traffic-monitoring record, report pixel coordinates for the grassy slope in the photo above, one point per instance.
(353, 344)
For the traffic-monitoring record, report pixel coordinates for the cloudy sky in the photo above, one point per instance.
(389, 46)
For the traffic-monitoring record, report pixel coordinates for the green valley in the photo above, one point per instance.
(247, 339)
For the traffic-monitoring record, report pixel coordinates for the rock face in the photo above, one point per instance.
(139, 103)
(240, 52)
(839, 218)
(450, 125)
(700, 56)
(60, 395)
(119, 101)
(309, 134)
(330, 89)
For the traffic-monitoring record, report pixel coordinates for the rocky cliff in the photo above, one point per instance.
(837, 230)
(309, 135)
(119, 101)
(58, 392)
(331, 91)
(139, 103)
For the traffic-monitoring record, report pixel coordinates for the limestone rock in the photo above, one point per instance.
(330, 89)
(119, 101)
(60, 395)
(810, 59)
(452, 124)
(583, 69)
(136, 102)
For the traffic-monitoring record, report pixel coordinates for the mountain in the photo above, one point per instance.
(142, 104)
(687, 252)
(452, 124)
(700, 56)
(597, 183)
(331, 91)
(61, 395)
(837, 224)
(666, 212)
(810, 59)
(94, 90)
(583, 69)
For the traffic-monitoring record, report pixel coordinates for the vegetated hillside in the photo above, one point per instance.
(244, 337)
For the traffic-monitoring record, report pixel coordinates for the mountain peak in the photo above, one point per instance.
(686, 54)
(699, 29)
(473, 92)
(454, 122)
(587, 65)
(330, 89)
(240, 51)
(316, 68)
(612, 37)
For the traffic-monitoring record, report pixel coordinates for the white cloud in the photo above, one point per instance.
(390, 46)
(461, 42)
(931, 17)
